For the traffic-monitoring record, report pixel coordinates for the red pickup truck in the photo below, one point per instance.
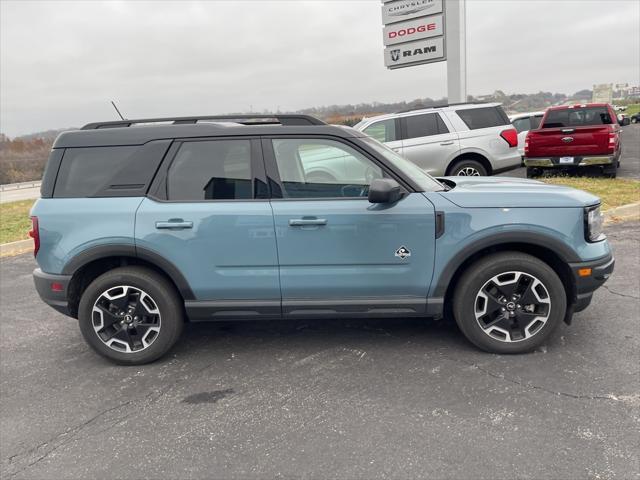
(574, 136)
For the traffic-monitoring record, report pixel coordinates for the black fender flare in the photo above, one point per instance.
(129, 250)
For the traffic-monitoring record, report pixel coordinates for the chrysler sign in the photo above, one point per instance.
(400, 10)
(414, 32)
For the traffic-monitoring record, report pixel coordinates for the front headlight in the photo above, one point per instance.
(593, 224)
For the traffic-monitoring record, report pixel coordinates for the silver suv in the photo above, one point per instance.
(464, 139)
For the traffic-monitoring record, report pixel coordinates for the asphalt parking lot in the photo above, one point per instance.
(346, 399)
(629, 163)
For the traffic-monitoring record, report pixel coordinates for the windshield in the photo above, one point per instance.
(421, 178)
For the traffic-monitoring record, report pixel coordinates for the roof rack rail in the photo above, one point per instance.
(441, 105)
(277, 119)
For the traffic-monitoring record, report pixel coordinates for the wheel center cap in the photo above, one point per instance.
(511, 306)
(128, 318)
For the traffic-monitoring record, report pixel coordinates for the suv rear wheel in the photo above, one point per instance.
(468, 168)
(534, 172)
(509, 302)
(131, 315)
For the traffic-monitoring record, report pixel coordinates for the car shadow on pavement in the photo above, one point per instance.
(301, 334)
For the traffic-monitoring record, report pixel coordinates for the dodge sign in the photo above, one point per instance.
(413, 30)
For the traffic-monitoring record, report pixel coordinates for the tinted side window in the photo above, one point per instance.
(483, 117)
(383, 131)
(535, 121)
(442, 128)
(211, 170)
(85, 171)
(522, 124)
(421, 125)
(317, 168)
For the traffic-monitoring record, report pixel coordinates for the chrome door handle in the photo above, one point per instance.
(446, 143)
(301, 222)
(171, 224)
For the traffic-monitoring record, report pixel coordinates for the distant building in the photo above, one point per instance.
(602, 93)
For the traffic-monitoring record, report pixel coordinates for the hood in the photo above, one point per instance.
(496, 192)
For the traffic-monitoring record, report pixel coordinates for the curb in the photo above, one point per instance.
(625, 213)
(16, 248)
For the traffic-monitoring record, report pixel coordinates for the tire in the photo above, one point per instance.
(492, 329)
(144, 333)
(468, 168)
(533, 172)
(611, 172)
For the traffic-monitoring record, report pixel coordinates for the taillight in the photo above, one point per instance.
(526, 145)
(612, 141)
(35, 234)
(510, 136)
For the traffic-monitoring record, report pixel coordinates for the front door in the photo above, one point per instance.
(209, 216)
(337, 252)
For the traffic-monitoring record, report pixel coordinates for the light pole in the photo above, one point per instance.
(455, 21)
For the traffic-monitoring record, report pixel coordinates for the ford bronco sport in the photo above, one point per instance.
(146, 224)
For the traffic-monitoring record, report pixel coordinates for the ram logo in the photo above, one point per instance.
(395, 55)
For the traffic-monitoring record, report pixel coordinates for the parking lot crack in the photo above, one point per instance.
(531, 386)
(618, 293)
(55, 442)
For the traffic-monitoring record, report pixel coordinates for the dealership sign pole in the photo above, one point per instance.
(417, 32)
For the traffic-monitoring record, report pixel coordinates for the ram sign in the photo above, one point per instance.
(413, 33)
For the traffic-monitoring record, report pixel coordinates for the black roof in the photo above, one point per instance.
(138, 132)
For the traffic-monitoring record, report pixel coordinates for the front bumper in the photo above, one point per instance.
(52, 289)
(579, 161)
(601, 269)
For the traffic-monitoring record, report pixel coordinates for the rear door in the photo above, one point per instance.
(208, 214)
(338, 253)
(573, 132)
(428, 142)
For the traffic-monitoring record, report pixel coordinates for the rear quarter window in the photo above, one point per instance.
(483, 117)
(84, 172)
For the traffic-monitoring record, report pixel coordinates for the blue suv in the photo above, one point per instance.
(146, 224)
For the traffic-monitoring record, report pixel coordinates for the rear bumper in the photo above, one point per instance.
(507, 161)
(601, 270)
(52, 289)
(581, 161)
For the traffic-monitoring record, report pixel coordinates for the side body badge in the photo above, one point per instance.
(403, 252)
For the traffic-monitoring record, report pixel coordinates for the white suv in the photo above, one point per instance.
(464, 139)
(523, 122)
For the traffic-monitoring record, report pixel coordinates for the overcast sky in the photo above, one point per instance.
(61, 62)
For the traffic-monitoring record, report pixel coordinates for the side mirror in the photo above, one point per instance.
(384, 190)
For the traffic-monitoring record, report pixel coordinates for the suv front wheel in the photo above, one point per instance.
(131, 315)
(509, 302)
